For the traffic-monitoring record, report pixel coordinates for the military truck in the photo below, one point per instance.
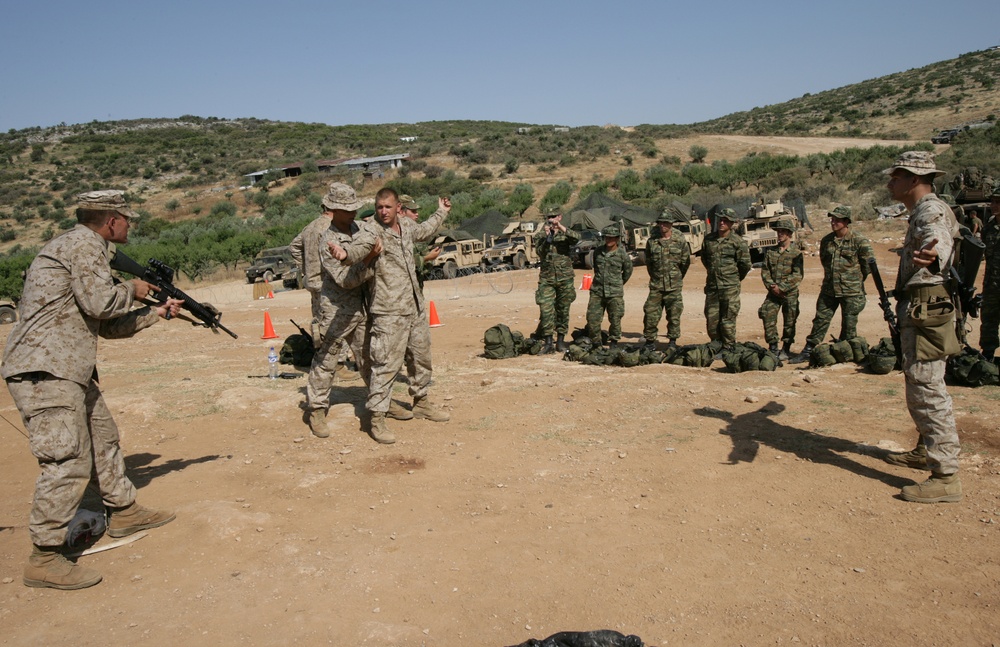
(515, 249)
(271, 264)
(8, 312)
(756, 227)
(583, 252)
(694, 231)
(457, 257)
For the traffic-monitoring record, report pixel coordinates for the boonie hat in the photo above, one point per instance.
(729, 214)
(916, 162)
(341, 196)
(407, 202)
(843, 212)
(666, 217)
(107, 200)
(611, 231)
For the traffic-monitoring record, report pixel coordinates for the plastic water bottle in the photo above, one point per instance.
(272, 364)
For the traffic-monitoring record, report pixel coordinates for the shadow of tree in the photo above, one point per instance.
(141, 471)
(749, 430)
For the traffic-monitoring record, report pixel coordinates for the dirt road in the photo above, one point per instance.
(687, 506)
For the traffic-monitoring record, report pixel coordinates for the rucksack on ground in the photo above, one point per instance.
(498, 342)
(297, 350)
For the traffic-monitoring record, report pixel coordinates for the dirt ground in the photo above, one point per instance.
(686, 506)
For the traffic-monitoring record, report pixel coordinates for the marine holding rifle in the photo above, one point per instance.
(50, 366)
(926, 316)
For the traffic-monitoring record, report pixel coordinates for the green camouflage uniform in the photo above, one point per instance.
(845, 268)
(555, 290)
(667, 261)
(727, 262)
(612, 270)
(989, 340)
(783, 268)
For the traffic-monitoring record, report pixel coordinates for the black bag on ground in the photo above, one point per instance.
(297, 350)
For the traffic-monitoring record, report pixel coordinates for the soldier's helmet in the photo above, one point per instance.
(843, 212)
(611, 231)
(786, 223)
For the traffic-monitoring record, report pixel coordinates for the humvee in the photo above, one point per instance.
(8, 312)
(756, 227)
(516, 249)
(271, 264)
(457, 257)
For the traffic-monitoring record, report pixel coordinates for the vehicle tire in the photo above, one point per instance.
(640, 257)
(251, 280)
(450, 270)
(8, 315)
(268, 276)
(520, 261)
(588, 260)
(436, 274)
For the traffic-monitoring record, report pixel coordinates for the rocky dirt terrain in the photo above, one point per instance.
(686, 506)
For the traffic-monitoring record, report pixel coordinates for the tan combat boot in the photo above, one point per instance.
(379, 432)
(939, 488)
(317, 423)
(915, 458)
(423, 408)
(345, 374)
(132, 519)
(48, 568)
(398, 411)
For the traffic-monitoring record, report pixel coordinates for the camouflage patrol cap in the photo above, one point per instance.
(407, 202)
(107, 200)
(729, 214)
(916, 162)
(666, 218)
(843, 212)
(786, 223)
(611, 231)
(341, 196)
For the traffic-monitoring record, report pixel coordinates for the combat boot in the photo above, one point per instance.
(803, 356)
(561, 343)
(773, 348)
(916, 458)
(48, 568)
(424, 408)
(672, 345)
(649, 345)
(613, 343)
(317, 423)
(547, 347)
(344, 373)
(785, 351)
(939, 488)
(398, 411)
(379, 432)
(131, 519)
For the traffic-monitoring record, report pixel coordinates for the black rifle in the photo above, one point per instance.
(303, 331)
(887, 312)
(964, 272)
(161, 276)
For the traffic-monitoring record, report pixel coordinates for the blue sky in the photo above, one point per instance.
(570, 63)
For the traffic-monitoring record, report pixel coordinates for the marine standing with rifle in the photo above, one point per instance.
(781, 273)
(667, 261)
(555, 292)
(50, 365)
(926, 316)
(989, 339)
(726, 258)
(844, 255)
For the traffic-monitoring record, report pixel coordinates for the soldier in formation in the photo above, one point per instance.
(781, 273)
(612, 270)
(555, 292)
(989, 339)
(50, 365)
(668, 258)
(726, 258)
(844, 255)
(926, 327)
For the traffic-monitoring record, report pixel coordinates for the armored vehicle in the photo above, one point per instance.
(694, 231)
(756, 227)
(583, 251)
(8, 312)
(515, 249)
(457, 258)
(271, 264)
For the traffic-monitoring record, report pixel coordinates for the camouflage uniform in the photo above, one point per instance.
(927, 397)
(398, 317)
(612, 270)
(845, 268)
(305, 252)
(341, 318)
(667, 261)
(50, 365)
(782, 268)
(727, 262)
(555, 292)
(989, 339)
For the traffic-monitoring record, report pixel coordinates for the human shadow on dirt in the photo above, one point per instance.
(749, 430)
(141, 471)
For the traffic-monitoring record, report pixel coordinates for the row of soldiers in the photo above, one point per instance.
(726, 258)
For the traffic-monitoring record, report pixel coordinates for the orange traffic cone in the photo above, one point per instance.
(268, 327)
(585, 284)
(435, 322)
(270, 292)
